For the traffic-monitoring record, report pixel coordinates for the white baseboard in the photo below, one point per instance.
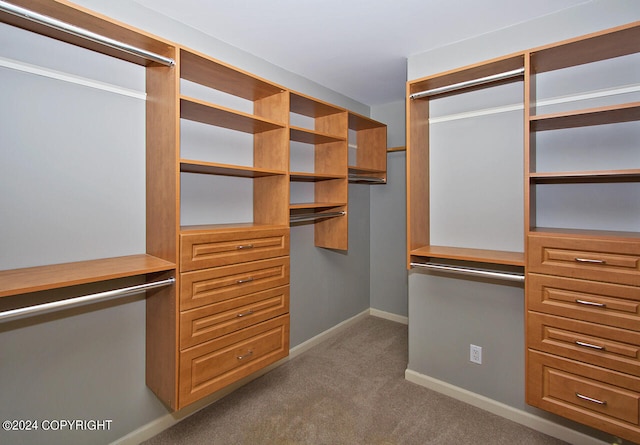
(160, 424)
(522, 417)
(389, 316)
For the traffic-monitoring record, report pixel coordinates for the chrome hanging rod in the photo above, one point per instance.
(313, 216)
(39, 309)
(81, 32)
(519, 277)
(468, 83)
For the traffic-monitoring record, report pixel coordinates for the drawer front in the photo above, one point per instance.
(209, 286)
(214, 320)
(606, 400)
(221, 248)
(600, 345)
(613, 261)
(209, 367)
(605, 303)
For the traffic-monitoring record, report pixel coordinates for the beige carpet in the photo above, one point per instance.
(348, 390)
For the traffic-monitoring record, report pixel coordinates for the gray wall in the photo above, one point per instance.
(388, 220)
(89, 363)
(446, 314)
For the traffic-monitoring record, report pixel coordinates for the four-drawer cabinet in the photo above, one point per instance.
(234, 305)
(583, 329)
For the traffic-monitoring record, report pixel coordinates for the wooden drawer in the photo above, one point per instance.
(600, 345)
(214, 320)
(209, 367)
(604, 303)
(205, 249)
(209, 286)
(604, 399)
(598, 259)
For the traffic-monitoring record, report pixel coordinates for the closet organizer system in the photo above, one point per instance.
(582, 279)
(219, 308)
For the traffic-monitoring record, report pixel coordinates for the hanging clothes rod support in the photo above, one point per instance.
(469, 83)
(81, 32)
(39, 309)
(472, 271)
(313, 216)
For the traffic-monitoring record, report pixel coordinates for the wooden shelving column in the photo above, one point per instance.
(328, 140)
(370, 165)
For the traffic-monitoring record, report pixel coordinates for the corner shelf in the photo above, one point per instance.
(41, 278)
(370, 164)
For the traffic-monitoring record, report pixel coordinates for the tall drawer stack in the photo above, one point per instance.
(234, 305)
(583, 329)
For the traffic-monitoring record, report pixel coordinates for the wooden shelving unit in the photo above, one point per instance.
(419, 247)
(370, 150)
(328, 140)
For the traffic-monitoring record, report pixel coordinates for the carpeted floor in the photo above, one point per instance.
(348, 390)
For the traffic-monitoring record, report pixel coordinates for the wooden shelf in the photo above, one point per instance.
(215, 74)
(312, 137)
(231, 227)
(592, 116)
(630, 175)
(594, 47)
(366, 171)
(315, 205)
(307, 106)
(213, 168)
(312, 177)
(583, 233)
(208, 113)
(476, 255)
(34, 279)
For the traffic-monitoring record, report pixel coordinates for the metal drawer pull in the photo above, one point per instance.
(589, 399)
(246, 280)
(248, 354)
(589, 345)
(244, 246)
(590, 303)
(244, 314)
(588, 260)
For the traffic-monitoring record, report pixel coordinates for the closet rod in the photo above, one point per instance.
(313, 216)
(519, 277)
(81, 32)
(39, 309)
(468, 83)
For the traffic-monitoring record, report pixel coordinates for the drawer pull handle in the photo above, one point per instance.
(589, 345)
(244, 246)
(246, 280)
(244, 314)
(589, 399)
(590, 261)
(590, 303)
(247, 355)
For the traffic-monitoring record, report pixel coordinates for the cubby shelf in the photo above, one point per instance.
(214, 168)
(208, 113)
(312, 137)
(592, 116)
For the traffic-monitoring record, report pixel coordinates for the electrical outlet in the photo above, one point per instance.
(475, 354)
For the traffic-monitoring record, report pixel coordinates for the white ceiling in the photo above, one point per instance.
(356, 47)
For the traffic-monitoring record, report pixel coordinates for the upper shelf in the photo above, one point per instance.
(215, 74)
(621, 41)
(593, 116)
(208, 113)
(34, 279)
(310, 107)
